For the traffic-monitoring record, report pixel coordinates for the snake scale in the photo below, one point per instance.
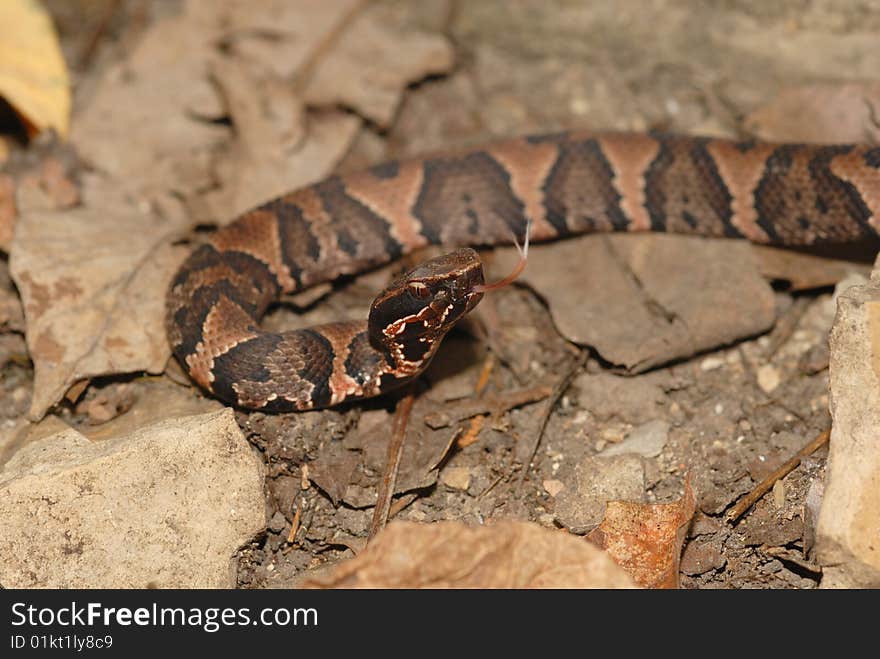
(563, 184)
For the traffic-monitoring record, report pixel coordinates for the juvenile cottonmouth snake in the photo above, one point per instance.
(566, 184)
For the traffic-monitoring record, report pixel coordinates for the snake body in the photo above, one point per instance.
(564, 184)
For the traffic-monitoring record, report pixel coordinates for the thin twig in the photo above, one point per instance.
(389, 478)
(786, 326)
(325, 45)
(485, 372)
(491, 486)
(786, 555)
(460, 410)
(472, 434)
(445, 452)
(765, 485)
(549, 404)
(409, 497)
(402, 503)
(476, 424)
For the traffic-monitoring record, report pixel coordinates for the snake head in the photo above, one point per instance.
(413, 314)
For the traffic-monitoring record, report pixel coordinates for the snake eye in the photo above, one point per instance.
(417, 289)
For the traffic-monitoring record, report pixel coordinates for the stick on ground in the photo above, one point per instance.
(765, 485)
(549, 404)
(389, 478)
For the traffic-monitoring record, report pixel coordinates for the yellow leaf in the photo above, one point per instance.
(33, 75)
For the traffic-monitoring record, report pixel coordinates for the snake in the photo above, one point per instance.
(560, 185)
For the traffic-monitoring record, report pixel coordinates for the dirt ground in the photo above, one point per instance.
(723, 412)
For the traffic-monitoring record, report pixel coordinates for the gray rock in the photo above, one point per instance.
(165, 505)
(646, 440)
(848, 532)
(277, 522)
(703, 554)
(597, 480)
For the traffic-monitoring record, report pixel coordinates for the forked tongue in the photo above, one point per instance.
(517, 270)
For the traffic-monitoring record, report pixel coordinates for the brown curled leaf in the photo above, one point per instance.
(92, 282)
(646, 539)
(506, 554)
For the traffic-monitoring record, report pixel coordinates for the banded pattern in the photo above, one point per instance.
(565, 184)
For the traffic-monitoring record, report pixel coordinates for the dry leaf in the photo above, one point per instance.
(281, 36)
(370, 66)
(505, 554)
(645, 539)
(278, 147)
(45, 181)
(140, 125)
(637, 299)
(333, 469)
(275, 149)
(93, 282)
(33, 76)
(152, 123)
(350, 470)
(804, 271)
(845, 112)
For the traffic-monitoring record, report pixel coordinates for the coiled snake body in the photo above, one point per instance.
(565, 184)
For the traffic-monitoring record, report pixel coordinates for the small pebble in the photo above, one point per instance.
(458, 478)
(553, 487)
(768, 378)
(579, 105)
(711, 363)
(646, 440)
(546, 519)
(614, 433)
(277, 523)
(580, 418)
(779, 494)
